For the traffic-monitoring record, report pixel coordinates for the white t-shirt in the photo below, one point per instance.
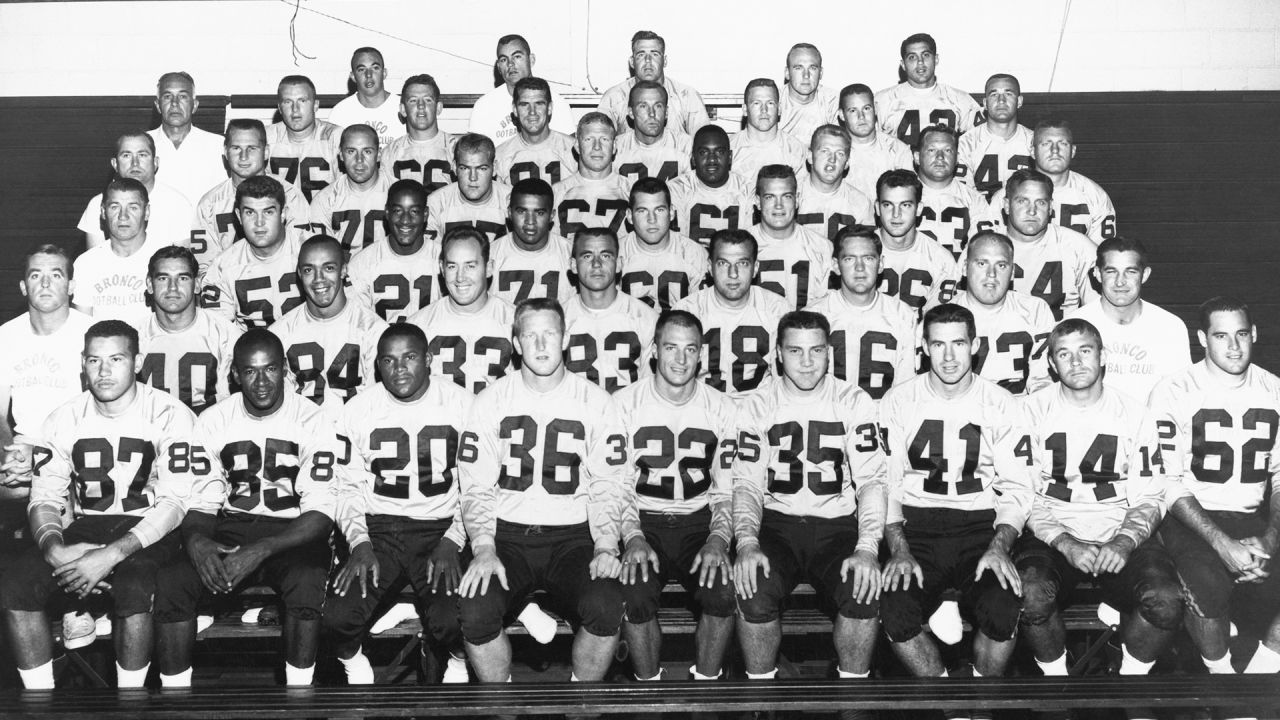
(111, 287)
(384, 119)
(192, 168)
(171, 216)
(491, 115)
(1156, 345)
(41, 371)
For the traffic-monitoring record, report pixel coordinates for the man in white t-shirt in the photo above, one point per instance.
(371, 104)
(491, 115)
(171, 211)
(192, 157)
(113, 277)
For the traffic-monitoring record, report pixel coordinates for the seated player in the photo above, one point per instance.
(112, 277)
(807, 104)
(908, 107)
(266, 463)
(551, 519)
(192, 157)
(256, 281)
(949, 209)
(1012, 326)
(304, 149)
(475, 200)
(353, 208)
(594, 196)
(371, 104)
(115, 460)
(712, 196)
(329, 341)
(916, 269)
(491, 115)
(795, 262)
(819, 519)
(826, 203)
(531, 262)
(398, 504)
(183, 349)
(537, 151)
(424, 151)
(993, 150)
(660, 266)
(648, 62)
(470, 328)
(683, 438)
(873, 335)
(610, 332)
(959, 493)
(762, 142)
(399, 276)
(650, 148)
(1099, 499)
(872, 153)
(171, 211)
(1221, 534)
(738, 317)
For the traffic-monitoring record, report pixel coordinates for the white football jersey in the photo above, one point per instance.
(430, 162)
(469, 349)
(750, 154)
(1156, 345)
(395, 286)
(665, 159)
(194, 363)
(662, 277)
(551, 160)
(583, 203)
(950, 215)
(310, 164)
(447, 208)
(1054, 268)
(609, 347)
(738, 350)
(521, 274)
(1079, 204)
(985, 161)
(40, 371)
(868, 161)
(873, 346)
(798, 267)
(800, 120)
(923, 274)
(699, 211)
(331, 359)
(686, 111)
(827, 213)
(904, 111)
(217, 227)
(356, 218)
(1011, 340)
(252, 291)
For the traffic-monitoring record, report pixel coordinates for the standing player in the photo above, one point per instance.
(959, 493)
(424, 151)
(469, 323)
(807, 104)
(475, 200)
(738, 318)
(1099, 498)
(712, 196)
(826, 203)
(542, 462)
(660, 266)
(683, 438)
(1219, 533)
(650, 148)
(532, 261)
(594, 196)
(873, 335)
(815, 515)
(762, 142)
(112, 277)
(267, 466)
(353, 208)
(184, 350)
(949, 209)
(1145, 343)
(171, 211)
(192, 157)
(399, 276)
(648, 61)
(872, 152)
(116, 461)
(907, 108)
(610, 332)
(537, 151)
(916, 270)
(256, 281)
(304, 149)
(398, 503)
(795, 262)
(491, 115)
(998, 147)
(370, 105)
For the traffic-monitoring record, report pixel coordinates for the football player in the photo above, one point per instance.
(908, 107)
(762, 142)
(594, 196)
(648, 61)
(995, 149)
(537, 151)
(171, 211)
(807, 104)
(371, 104)
(795, 262)
(399, 276)
(532, 261)
(475, 200)
(660, 266)
(916, 269)
(353, 208)
(949, 209)
(650, 148)
(711, 196)
(424, 151)
(826, 203)
(192, 157)
(491, 115)
(113, 276)
(872, 153)
(304, 149)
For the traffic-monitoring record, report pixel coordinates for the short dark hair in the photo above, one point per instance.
(648, 35)
(925, 38)
(421, 79)
(1121, 244)
(774, 172)
(644, 85)
(1024, 176)
(803, 320)
(649, 186)
(899, 178)
(506, 39)
(262, 186)
(255, 339)
(173, 252)
(1072, 326)
(855, 89)
(151, 142)
(371, 51)
(706, 130)
(1017, 86)
(1222, 303)
(937, 130)
(350, 130)
(734, 237)
(530, 83)
(296, 80)
(462, 233)
(677, 318)
(859, 232)
(50, 249)
(536, 187)
(407, 185)
(1055, 124)
(949, 313)
(590, 232)
(322, 240)
(113, 328)
(245, 125)
(760, 82)
(474, 143)
(405, 330)
(533, 305)
(127, 185)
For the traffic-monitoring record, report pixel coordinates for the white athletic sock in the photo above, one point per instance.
(1130, 665)
(131, 678)
(1264, 661)
(1221, 666)
(39, 677)
(178, 680)
(1054, 668)
(359, 671)
(655, 678)
(976, 673)
(944, 673)
(573, 677)
(693, 671)
(845, 674)
(764, 675)
(539, 624)
(300, 676)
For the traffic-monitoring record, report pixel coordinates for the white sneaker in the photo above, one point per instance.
(103, 626)
(78, 630)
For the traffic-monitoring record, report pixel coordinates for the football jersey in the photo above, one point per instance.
(661, 277)
(395, 286)
(868, 161)
(278, 466)
(331, 359)
(1054, 268)
(965, 453)
(550, 160)
(737, 343)
(384, 119)
(984, 161)
(356, 218)
(1097, 469)
(311, 164)
(216, 224)
(491, 116)
(113, 287)
(40, 371)
(951, 215)
(194, 363)
(799, 120)
(430, 162)
(923, 274)
(798, 268)
(447, 208)
(874, 346)
(664, 159)
(521, 274)
(192, 167)
(699, 211)
(814, 454)
(137, 462)
(470, 350)
(550, 458)
(609, 347)
(254, 292)
(1011, 340)
(827, 213)
(750, 153)
(685, 110)
(1154, 346)
(1079, 204)
(583, 203)
(404, 459)
(1218, 441)
(169, 222)
(904, 111)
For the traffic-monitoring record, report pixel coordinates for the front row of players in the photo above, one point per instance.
(598, 500)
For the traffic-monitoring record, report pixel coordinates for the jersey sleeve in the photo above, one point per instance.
(1015, 491)
(750, 470)
(174, 479)
(50, 479)
(478, 461)
(1042, 323)
(720, 494)
(1145, 484)
(209, 487)
(870, 470)
(606, 462)
(353, 484)
(1175, 446)
(893, 435)
(217, 295)
(326, 459)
